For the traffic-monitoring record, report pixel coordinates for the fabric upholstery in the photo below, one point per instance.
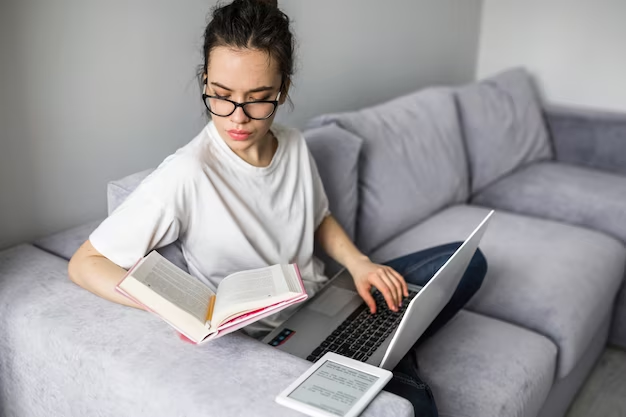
(66, 352)
(412, 163)
(502, 125)
(567, 193)
(119, 190)
(483, 367)
(336, 154)
(565, 389)
(590, 138)
(66, 242)
(555, 279)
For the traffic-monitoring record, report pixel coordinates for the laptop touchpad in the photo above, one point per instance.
(332, 301)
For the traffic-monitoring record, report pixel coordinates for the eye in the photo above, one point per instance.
(220, 96)
(261, 99)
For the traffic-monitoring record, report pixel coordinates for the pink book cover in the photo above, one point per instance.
(243, 320)
(233, 324)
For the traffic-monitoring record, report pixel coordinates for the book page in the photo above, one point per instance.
(175, 285)
(254, 289)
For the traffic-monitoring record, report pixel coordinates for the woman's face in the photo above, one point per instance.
(242, 75)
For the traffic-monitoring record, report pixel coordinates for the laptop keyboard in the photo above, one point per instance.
(362, 333)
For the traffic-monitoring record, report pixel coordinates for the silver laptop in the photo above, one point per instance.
(337, 319)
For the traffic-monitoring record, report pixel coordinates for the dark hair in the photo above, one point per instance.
(251, 24)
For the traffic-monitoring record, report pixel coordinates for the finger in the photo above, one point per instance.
(397, 281)
(405, 287)
(364, 292)
(380, 282)
(392, 291)
(396, 288)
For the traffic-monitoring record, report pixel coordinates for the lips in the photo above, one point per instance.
(239, 134)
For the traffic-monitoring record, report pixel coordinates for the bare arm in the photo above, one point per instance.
(336, 243)
(95, 273)
(366, 274)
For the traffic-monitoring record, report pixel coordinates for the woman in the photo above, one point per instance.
(246, 193)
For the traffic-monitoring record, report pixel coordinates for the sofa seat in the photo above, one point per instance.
(567, 193)
(67, 352)
(515, 368)
(584, 196)
(556, 279)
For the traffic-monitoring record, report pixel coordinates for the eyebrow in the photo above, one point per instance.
(255, 90)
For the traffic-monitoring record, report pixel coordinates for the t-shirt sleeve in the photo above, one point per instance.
(320, 200)
(133, 230)
(148, 219)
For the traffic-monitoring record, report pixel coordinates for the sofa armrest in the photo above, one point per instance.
(65, 351)
(66, 242)
(591, 138)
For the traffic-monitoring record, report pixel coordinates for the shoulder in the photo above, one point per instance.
(177, 173)
(292, 138)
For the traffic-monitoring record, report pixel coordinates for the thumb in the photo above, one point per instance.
(365, 294)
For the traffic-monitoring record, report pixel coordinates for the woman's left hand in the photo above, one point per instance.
(389, 282)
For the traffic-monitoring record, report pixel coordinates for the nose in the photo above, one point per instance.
(239, 116)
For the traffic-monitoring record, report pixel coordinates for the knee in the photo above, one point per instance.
(478, 267)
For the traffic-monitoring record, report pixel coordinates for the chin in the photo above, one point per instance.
(239, 144)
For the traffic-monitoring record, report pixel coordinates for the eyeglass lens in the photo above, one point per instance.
(254, 110)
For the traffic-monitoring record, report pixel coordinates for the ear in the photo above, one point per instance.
(204, 82)
(284, 93)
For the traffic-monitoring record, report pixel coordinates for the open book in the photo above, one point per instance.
(195, 310)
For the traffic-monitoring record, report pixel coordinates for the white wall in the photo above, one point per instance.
(95, 90)
(575, 48)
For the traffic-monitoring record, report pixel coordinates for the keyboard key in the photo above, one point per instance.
(363, 332)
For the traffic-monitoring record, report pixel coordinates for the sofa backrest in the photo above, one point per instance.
(503, 126)
(336, 153)
(412, 164)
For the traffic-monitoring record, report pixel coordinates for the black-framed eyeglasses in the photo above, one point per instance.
(257, 110)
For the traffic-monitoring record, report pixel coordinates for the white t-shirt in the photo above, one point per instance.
(228, 214)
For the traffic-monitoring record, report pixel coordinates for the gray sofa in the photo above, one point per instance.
(414, 172)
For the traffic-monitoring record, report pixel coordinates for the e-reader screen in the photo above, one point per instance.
(333, 387)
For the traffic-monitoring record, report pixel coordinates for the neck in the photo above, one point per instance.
(260, 155)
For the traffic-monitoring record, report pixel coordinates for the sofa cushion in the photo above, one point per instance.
(119, 190)
(336, 154)
(567, 193)
(480, 366)
(589, 137)
(66, 242)
(67, 352)
(503, 126)
(556, 279)
(412, 163)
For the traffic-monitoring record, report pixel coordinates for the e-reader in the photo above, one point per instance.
(335, 386)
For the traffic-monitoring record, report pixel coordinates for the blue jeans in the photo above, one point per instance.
(418, 268)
